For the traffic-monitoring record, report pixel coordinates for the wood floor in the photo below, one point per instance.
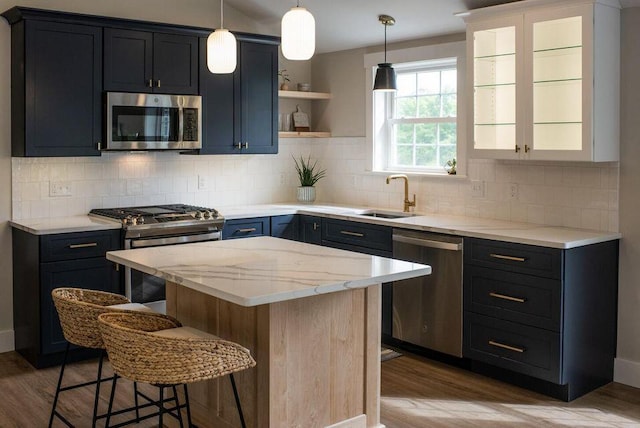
(416, 393)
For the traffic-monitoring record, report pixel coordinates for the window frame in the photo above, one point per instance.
(380, 103)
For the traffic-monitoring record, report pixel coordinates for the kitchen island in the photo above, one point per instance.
(310, 316)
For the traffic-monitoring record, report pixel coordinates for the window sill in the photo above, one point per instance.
(423, 174)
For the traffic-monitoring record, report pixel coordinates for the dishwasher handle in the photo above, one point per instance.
(429, 243)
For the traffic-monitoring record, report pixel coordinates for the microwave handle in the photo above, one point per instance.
(180, 124)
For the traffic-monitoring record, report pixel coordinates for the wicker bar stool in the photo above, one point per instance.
(156, 349)
(78, 310)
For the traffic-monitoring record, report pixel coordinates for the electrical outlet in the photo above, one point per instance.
(202, 182)
(60, 188)
(477, 188)
(283, 179)
(513, 191)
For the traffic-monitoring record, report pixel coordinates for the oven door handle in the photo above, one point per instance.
(156, 242)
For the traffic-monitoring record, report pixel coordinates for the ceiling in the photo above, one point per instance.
(348, 24)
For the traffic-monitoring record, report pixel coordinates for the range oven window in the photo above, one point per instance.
(146, 288)
(133, 123)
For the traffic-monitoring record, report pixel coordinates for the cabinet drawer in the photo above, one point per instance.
(244, 228)
(512, 296)
(78, 245)
(529, 259)
(528, 350)
(357, 234)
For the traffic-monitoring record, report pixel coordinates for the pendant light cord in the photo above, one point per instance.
(385, 43)
(221, 14)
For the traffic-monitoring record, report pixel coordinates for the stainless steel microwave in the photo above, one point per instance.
(153, 121)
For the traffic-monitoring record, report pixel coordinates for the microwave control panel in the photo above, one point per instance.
(190, 130)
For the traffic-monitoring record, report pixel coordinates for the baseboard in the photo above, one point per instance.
(6, 341)
(627, 372)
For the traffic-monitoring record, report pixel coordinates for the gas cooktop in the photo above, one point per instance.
(159, 215)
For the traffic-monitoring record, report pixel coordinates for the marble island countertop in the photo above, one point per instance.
(523, 233)
(262, 270)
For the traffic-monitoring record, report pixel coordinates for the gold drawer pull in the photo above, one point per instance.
(346, 232)
(249, 230)
(512, 258)
(505, 297)
(87, 245)
(503, 346)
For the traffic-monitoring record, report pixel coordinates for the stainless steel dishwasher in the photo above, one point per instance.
(427, 311)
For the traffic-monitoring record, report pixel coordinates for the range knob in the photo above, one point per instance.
(140, 219)
(128, 220)
(199, 215)
(207, 214)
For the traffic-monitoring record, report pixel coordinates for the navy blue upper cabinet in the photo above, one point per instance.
(56, 94)
(240, 111)
(142, 61)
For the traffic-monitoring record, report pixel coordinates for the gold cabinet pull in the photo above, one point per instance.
(505, 297)
(503, 346)
(158, 83)
(517, 148)
(249, 230)
(503, 257)
(87, 245)
(315, 226)
(150, 83)
(527, 149)
(346, 232)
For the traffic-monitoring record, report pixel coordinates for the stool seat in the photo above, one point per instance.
(156, 349)
(78, 311)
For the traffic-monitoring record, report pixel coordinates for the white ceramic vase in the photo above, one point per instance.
(306, 194)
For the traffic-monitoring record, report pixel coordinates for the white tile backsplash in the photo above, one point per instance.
(554, 193)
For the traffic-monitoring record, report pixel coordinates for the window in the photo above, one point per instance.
(418, 128)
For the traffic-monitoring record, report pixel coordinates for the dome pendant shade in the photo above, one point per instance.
(221, 52)
(385, 78)
(298, 34)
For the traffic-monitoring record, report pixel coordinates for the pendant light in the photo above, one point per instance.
(221, 48)
(385, 75)
(298, 34)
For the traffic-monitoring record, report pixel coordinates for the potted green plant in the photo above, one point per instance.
(308, 174)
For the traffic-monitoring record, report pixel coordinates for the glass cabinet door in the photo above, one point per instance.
(556, 46)
(495, 79)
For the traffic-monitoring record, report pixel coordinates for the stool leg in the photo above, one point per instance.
(135, 399)
(161, 412)
(186, 399)
(55, 399)
(175, 398)
(113, 393)
(99, 381)
(235, 394)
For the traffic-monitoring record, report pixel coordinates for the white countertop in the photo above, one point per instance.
(523, 233)
(261, 270)
(79, 223)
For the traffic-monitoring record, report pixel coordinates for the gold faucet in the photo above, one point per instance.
(407, 202)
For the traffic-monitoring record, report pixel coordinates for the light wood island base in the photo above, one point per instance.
(318, 359)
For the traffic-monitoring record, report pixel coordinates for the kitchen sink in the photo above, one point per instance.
(386, 214)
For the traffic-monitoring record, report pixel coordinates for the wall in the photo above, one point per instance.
(117, 180)
(628, 361)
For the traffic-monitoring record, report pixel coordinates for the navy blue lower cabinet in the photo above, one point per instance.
(43, 263)
(542, 318)
(310, 229)
(285, 226)
(246, 228)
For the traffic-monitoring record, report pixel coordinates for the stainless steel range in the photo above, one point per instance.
(153, 226)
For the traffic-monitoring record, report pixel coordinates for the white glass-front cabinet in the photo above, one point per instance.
(496, 81)
(566, 73)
